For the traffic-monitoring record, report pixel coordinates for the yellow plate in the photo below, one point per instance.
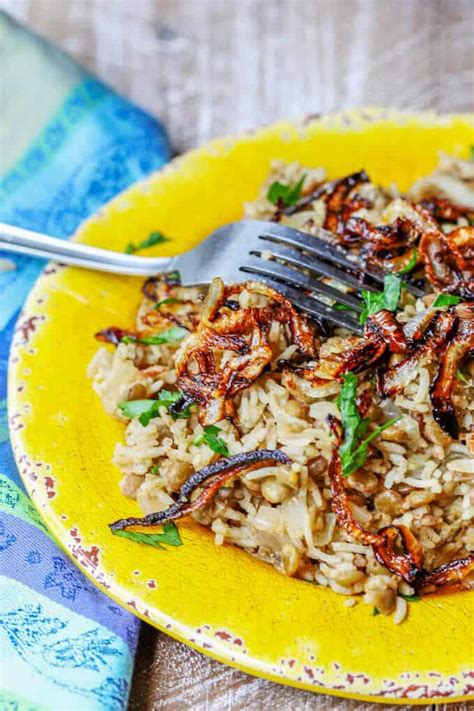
(218, 599)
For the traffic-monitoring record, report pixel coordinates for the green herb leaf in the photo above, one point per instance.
(410, 598)
(388, 299)
(146, 410)
(353, 456)
(289, 195)
(357, 458)
(461, 377)
(153, 239)
(446, 300)
(155, 469)
(171, 335)
(353, 424)
(375, 612)
(169, 537)
(411, 264)
(210, 437)
(183, 415)
(341, 307)
(161, 303)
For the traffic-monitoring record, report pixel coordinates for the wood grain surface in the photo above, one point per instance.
(212, 67)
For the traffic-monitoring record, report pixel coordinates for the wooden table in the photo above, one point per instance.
(211, 67)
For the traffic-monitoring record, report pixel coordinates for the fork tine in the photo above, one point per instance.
(324, 249)
(322, 246)
(304, 261)
(314, 307)
(282, 272)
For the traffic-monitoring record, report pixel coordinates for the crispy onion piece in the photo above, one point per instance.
(231, 347)
(390, 247)
(449, 260)
(340, 503)
(184, 313)
(113, 335)
(461, 243)
(407, 564)
(445, 379)
(435, 253)
(336, 195)
(382, 332)
(301, 333)
(181, 306)
(216, 475)
(156, 288)
(447, 577)
(392, 380)
(444, 210)
(384, 326)
(340, 205)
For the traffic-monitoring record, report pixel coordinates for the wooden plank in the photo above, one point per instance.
(212, 67)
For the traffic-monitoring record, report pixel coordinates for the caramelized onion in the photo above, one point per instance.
(461, 243)
(445, 379)
(393, 379)
(340, 503)
(447, 577)
(449, 260)
(445, 210)
(407, 564)
(339, 205)
(114, 335)
(389, 247)
(216, 475)
(384, 326)
(336, 195)
(231, 347)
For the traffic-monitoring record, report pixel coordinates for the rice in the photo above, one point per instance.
(282, 515)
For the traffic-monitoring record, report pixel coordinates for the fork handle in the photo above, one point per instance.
(35, 244)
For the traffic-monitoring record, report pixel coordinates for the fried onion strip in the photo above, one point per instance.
(447, 577)
(407, 564)
(340, 503)
(444, 382)
(392, 379)
(218, 473)
(231, 347)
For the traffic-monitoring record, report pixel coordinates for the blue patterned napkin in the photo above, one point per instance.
(67, 145)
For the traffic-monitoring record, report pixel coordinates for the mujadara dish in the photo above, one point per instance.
(345, 461)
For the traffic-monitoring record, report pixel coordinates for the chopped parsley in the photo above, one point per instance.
(169, 537)
(461, 377)
(446, 300)
(171, 335)
(161, 303)
(285, 193)
(353, 452)
(341, 307)
(153, 239)
(411, 264)
(211, 438)
(146, 410)
(375, 612)
(155, 469)
(388, 299)
(410, 598)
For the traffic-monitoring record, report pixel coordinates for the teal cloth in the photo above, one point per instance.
(67, 145)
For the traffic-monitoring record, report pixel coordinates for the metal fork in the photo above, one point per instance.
(285, 258)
